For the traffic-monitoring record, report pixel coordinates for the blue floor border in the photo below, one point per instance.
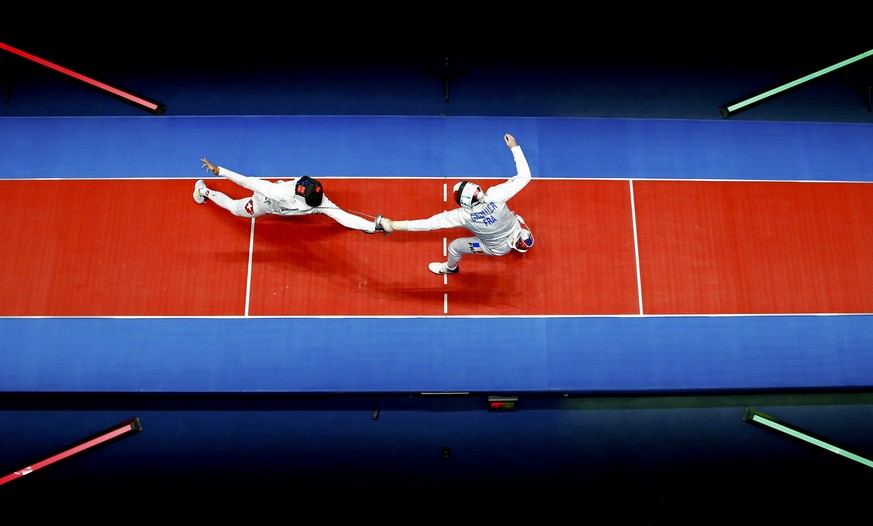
(602, 355)
(283, 146)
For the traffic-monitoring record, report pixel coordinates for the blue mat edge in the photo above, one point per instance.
(417, 355)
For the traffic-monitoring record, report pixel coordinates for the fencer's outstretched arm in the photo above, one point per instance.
(390, 225)
(255, 184)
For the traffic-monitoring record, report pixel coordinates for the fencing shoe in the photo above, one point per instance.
(200, 192)
(442, 268)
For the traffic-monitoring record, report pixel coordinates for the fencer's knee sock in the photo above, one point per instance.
(220, 199)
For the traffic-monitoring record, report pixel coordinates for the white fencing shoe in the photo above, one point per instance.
(442, 268)
(200, 192)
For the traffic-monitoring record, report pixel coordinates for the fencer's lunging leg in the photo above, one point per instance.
(247, 207)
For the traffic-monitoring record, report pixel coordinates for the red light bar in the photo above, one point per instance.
(151, 106)
(101, 438)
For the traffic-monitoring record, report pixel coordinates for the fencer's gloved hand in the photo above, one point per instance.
(387, 225)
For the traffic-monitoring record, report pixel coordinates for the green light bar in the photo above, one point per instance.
(757, 417)
(730, 109)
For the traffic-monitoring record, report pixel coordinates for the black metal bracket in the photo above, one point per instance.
(447, 76)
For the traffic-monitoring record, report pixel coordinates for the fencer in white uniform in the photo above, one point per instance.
(496, 229)
(295, 197)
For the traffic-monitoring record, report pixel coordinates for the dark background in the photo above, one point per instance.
(635, 459)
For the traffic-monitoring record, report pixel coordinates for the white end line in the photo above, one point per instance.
(636, 245)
